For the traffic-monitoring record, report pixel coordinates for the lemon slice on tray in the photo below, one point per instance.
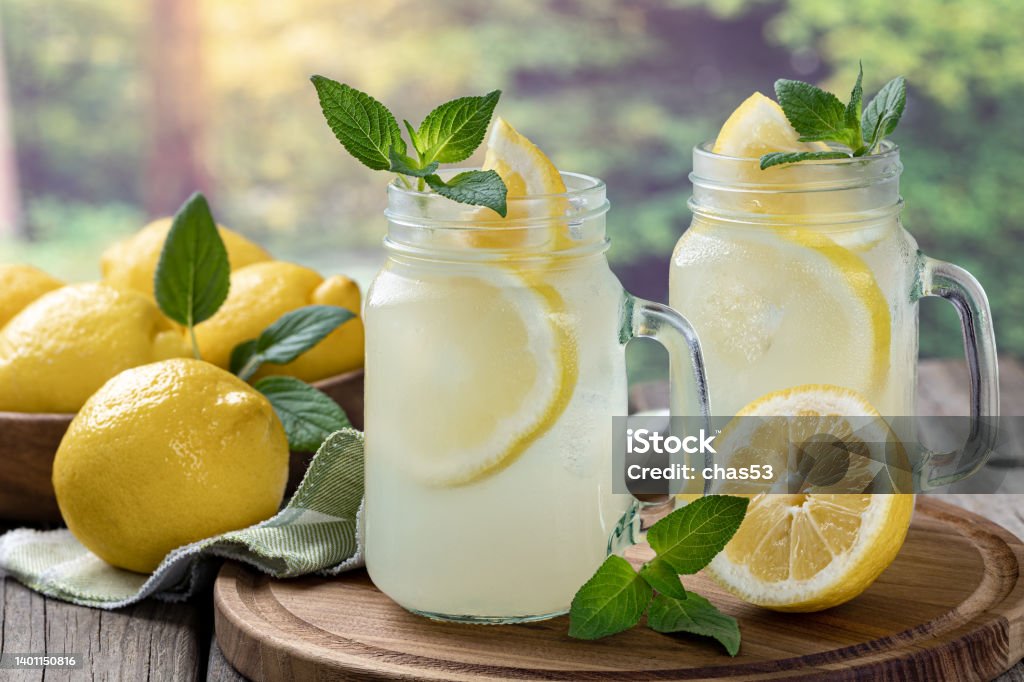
(813, 550)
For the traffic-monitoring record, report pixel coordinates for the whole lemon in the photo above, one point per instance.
(19, 286)
(167, 454)
(260, 294)
(131, 263)
(60, 349)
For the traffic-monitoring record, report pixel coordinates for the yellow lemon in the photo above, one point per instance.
(59, 350)
(131, 263)
(167, 454)
(814, 550)
(262, 293)
(19, 286)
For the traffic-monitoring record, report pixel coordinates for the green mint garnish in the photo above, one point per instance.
(452, 132)
(820, 116)
(661, 576)
(685, 541)
(308, 414)
(697, 616)
(479, 188)
(883, 113)
(613, 600)
(193, 275)
(449, 134)
(290, 336)
(363, 125)
(690, 537)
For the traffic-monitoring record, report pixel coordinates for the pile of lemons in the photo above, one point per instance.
(164, 449)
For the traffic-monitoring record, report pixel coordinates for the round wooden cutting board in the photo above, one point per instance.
(950, 608)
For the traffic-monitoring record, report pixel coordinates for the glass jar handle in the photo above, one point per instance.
(959, 287)
(647, 319)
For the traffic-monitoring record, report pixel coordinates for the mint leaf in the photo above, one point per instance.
(853, 109)
(695, 615)
(308, 415)
(452, 132)
(478, 188)
(689, 538)
(663, 578)
(613, 600)
(193, 275)
(290, 336)
(362, 124)
(779, 158)
(413, 136)
(400, 163)
(814, 113)
(883, 113)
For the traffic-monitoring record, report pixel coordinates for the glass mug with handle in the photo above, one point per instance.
(804, 275)
(495, 361)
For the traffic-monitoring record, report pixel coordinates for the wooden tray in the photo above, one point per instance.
(950, 607)
(28, 443)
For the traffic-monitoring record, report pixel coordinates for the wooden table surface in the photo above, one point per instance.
(158, 641)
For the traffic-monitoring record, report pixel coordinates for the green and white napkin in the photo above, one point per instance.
(318, 531)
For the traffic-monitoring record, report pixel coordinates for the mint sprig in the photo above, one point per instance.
(290, 336)
(191, 283)
(449, 134)
(308, 414)
(685, 541)
(819, 116)
(193, 275)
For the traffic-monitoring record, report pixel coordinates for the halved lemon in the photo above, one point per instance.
(813, 550)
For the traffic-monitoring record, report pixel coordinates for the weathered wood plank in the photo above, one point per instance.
(218, 669)
(148, 641)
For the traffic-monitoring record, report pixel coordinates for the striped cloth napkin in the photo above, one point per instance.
(318, 531)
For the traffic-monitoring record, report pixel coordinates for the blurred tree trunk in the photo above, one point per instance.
(174, 163)
(12, 222)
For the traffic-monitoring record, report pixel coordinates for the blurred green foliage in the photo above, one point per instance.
(619, 90)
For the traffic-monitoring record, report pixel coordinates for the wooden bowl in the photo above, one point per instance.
(28, 443)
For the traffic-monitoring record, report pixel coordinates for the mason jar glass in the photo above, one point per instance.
(804, 275)
(495, 362)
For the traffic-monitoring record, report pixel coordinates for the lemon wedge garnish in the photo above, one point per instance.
(757, 127)
(810, 551)
(526, 170)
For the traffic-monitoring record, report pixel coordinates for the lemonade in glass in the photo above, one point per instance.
(495, 361)
(803, 287)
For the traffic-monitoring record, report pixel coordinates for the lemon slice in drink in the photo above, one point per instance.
(497, 362)
(811, 551)
(493, 345)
